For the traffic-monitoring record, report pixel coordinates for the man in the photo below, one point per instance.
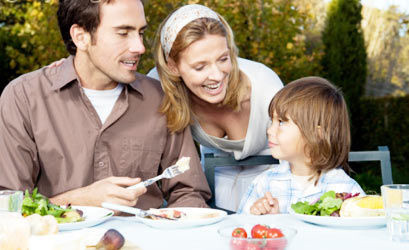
(84, 131)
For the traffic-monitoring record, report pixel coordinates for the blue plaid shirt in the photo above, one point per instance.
(279, 182)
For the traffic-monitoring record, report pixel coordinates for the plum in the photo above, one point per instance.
(112, 240)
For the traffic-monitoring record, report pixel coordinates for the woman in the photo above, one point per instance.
(224, 98)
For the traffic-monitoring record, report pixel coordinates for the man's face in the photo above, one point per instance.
(117, 43)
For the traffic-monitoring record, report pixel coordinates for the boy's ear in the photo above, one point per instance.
(173, 67)
(80, 37)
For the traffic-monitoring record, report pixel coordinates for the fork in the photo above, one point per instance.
(133, 210)
(170, 172)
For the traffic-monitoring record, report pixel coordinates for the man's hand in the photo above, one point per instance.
(111, 189)
(265, 205)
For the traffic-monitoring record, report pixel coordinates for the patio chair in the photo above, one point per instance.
(211, 162)
(382, 155)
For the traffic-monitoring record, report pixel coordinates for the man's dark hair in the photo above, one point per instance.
(84, 13)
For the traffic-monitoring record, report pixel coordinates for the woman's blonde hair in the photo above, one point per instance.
(176, 103)
(319, 110)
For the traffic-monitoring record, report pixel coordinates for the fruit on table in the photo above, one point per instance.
(262, 237)
(362, 206)
(112, 240)
(239, 233)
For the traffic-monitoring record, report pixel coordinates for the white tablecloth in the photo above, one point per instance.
(309, 236)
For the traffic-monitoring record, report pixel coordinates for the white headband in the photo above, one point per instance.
(180, 19)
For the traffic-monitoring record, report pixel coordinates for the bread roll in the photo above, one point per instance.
(362, 206)
(14, 232)
(42, 225)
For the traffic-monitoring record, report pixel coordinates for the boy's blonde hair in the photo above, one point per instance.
(319, 110)
(176, 103)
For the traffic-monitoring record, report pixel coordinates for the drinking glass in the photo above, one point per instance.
(11, 200)
(396, 203)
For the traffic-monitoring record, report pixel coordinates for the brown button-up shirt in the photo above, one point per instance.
(52, 138)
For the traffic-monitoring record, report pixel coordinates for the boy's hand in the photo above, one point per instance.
(265, 205)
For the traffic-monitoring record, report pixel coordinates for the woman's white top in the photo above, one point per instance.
(103, 100)
(232, 182)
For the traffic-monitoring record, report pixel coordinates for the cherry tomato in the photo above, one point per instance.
(238, 244)
(253, 246)
(274, 233)
(259, 231)
(239, 233)
(278, 244)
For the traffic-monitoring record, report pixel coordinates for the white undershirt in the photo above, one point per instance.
(302, 182)
(103, 100)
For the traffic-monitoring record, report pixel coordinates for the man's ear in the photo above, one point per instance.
(80, 37)
(173, 67)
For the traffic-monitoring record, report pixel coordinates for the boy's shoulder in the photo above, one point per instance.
(337, 175)
(280, 171)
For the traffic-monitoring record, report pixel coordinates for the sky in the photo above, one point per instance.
(403, 5)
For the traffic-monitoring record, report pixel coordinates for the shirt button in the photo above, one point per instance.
(101, 164)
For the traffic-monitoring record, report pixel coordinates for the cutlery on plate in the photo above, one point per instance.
(178, 168)
(133, 210)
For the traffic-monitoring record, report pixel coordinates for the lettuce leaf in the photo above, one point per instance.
(325, 206)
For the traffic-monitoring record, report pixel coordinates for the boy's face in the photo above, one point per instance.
(286, 141)
(118, 41)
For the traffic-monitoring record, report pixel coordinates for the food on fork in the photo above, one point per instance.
(371, 205)
(183, 164)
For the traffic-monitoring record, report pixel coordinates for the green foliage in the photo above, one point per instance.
(29, 31)
(266, 31)
(383, 121)
(344, 59)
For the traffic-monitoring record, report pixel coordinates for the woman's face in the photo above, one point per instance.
(205, 66)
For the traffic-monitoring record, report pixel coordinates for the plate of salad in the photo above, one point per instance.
(325, 212)
(68, 217)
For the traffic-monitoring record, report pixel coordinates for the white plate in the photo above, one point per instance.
(361, 222)
(194, 217)
(92, 216)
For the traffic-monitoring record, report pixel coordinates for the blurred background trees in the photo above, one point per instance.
(363, 50)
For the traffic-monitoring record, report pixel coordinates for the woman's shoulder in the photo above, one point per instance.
(258, 72)
(246, 64)
(153, 73)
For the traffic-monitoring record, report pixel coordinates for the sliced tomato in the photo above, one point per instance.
(239, 232)
(259, 231)
(274, 233)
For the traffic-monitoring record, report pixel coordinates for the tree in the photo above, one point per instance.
(387, 43)
(344, 60)
(30, 34)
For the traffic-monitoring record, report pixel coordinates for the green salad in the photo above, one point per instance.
(37, 203)
(327, 205)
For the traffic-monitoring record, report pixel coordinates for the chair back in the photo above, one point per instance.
(382, 155)
(211, 162)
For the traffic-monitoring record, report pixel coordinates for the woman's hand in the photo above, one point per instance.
(266, 205)
(56, 63)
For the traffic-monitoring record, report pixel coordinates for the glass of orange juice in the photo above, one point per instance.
(396, 204)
